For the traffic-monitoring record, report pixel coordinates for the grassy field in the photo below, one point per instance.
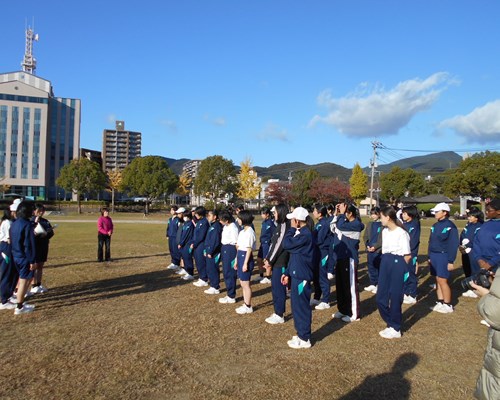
(131, 329)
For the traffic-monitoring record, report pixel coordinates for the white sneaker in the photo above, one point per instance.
(227, 300)
(390, 333)
(432, 286)
(436, 307)
(370, 288)
(485, 323)
(298, 343)
(187, 277)
(471, 294)
(200, 283)
(338, 315)
(265, 280)
(212, 290)
(13, 299)
(7, 306)
(322, 306)
(28, 294)
(374, 291)
(173, 267)
(330, 276)
(257, 279)
(243, 309)
(383, 331)
(43, 289)
(25, 309)
(181, 271)
(409, 300)
(348, 319)
(445, 309)
(314, 302)
(36, 290)
(275, 319)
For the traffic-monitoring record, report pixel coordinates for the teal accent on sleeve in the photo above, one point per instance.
(190, 250)
(406, 276)
(204, 253)
(446, 229)
(414, 260)
(283, 270)
(396, 260)
(233, 262)
(301, 286)
(217, 258)
(378, 229)
(412, 228)
(497, 236)
(432, 229)
(324, 260)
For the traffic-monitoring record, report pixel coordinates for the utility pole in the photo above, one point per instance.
(29, 62)
(373, 165)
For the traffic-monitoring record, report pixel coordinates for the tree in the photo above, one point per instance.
(114, 184)
(279, 192)
(301, 185)
(81, 176)
(150, 177)
(359, 184)
(184, 185)
(330, 190)
(248, 182)
(4, 187)
(215, 178)
(478, 175)
(401, 182)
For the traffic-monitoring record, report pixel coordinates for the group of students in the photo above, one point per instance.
(24, 247)
(297, 255)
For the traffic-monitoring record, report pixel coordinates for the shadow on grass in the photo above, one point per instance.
(93, 261)
(109, 288)
(389, 385)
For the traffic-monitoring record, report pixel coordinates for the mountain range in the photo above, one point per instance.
(430, 164)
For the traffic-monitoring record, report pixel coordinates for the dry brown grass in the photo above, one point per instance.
(132, 330)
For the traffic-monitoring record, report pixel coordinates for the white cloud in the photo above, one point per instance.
(171, 125)
(273, 132)
(481, 125)
(378, 112)
(218, 121)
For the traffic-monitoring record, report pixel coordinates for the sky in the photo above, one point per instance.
(274, 81)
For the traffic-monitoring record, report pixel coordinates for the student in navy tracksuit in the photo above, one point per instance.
(322, 240)
(411, 222)
(212, 251)
(475, 219)
(8, 271)
(443, 246)
(486, 249)
(298, 242)
(277, 261)
(373, 243)
(22, 239)
(266, 232)
(346, 228)
(200, 232)
(229, 239)
(185, 246)
(396, 255)
(171, 233)
(332, 257)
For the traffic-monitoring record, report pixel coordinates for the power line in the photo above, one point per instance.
(441, 150)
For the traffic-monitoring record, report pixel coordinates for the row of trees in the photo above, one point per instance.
(217, 178)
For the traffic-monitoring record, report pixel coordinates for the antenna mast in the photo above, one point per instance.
(29, 62)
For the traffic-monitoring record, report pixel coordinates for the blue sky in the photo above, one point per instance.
(276, 81)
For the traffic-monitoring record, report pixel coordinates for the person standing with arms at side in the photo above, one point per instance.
(298, 242)
(346, 228)
(486, 249)
(322, 241)
(171, 233)
(212, 248)
(277, 260)
(185, 248)
(8, 271)
(373, 243)
(396, 255)
(266, 233)
(443, 247)
(43, 233)
(228, 255)
(104, 232)
(411, 222)
(475, 219)
(23, 252)
(332, 257)
(200, 232)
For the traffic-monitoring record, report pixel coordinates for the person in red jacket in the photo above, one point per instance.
(104, 232)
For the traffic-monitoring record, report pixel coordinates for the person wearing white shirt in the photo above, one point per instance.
(229, 239)
(396, 254)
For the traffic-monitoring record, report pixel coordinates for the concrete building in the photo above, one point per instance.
(119, 147)
(39, 134)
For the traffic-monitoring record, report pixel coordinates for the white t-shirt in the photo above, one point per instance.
(4, 230)
(229, 234)
(395, 242)
(246, 239)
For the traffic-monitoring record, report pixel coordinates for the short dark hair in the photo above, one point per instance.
(174, 207)
(201, 211)
(245, 217)
(412, 212)
(214, 212)
(226, 216)
(39, 207)
(103, 209)
(495, 204)
(476, 212)
(321, 209)
(375, 210)
(24, 210)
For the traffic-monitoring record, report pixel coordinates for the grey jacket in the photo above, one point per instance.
(488, 383)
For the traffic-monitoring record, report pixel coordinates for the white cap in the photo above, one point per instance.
(180, 210)
(299, 213)
(440, 207)
(15, 204)
(273, 209)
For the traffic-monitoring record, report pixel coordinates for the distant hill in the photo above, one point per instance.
(429, 164)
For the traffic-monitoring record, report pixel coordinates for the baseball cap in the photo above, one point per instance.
(180, 210)
(299, 213)
(440, 207)
(15, 204)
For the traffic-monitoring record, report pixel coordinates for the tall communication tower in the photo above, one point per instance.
(29, 62)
